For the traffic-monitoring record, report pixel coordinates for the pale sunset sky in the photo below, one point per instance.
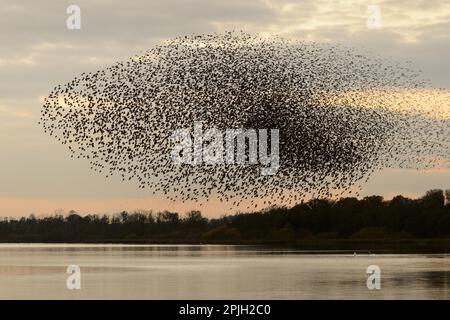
(38, 52)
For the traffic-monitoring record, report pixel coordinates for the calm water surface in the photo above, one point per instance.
(38, 271)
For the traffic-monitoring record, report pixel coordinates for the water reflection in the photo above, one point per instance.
(214, 272)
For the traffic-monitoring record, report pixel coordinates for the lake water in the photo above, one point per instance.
(38, 271)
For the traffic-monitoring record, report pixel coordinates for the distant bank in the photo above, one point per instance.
(371, 224)
(311, 246)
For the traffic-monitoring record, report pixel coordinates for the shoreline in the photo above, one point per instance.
(366, 246)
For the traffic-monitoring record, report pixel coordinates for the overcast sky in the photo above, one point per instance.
(38, 51)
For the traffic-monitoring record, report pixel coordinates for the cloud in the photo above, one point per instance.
(38, 52)
(10, 112)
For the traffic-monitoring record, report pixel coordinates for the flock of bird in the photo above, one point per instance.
(341, 115)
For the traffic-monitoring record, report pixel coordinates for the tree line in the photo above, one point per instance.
(347, 218)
